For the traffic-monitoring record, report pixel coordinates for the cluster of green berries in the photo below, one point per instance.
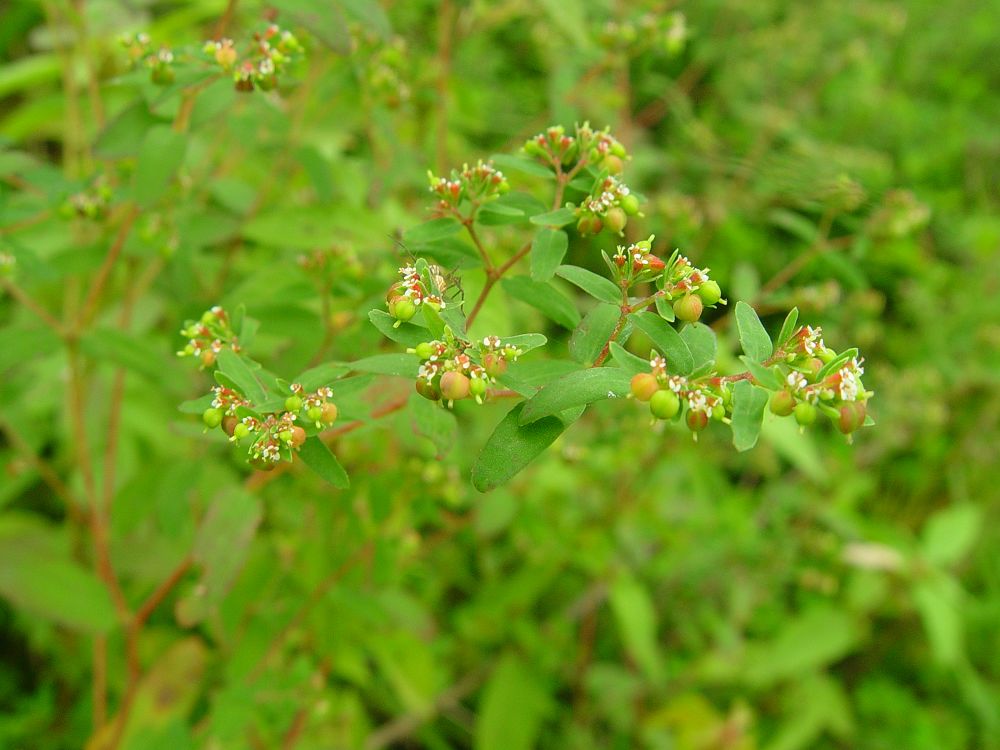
(556, 149)
(609, 206)
(671, 396)
(818, 380)
(668, 32)
(385, 65)
(160, 63)
(476, 184)
(208, 336)
(689, 289)
(276, 435)
(448, 373)
(92, 203)
(269, 54)
(415, 289)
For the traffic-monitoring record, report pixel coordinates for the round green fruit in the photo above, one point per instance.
(644, 386)
(664, 404)
(688, 308)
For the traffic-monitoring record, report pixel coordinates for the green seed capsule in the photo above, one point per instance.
(710, 292)
(644, 386)
(688, 308)
(212, 418)
(805, 413)
(664, 404)
(293, 404)
(782, 403)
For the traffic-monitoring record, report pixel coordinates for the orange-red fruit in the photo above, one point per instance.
(697, 420)
(494, 364)
(644, 385)
(229, 424)
(782, 403)
(428, 390)
(454, 386)
(852, 416)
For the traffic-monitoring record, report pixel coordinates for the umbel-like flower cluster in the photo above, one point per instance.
(452, 369)
(268, 54)
(208, 336)
(476, 184)
(275, 427)
(416, 289)
(669, 396)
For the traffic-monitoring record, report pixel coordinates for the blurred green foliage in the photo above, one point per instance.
(630, 589)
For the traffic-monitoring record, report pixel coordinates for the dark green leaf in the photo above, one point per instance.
(512, 447)
(594, 285)
(576, 389)
(543, 297)
(753, 338)
(627, 360)
(321, 375)
(406, 334)
(431, 231)
(547, 252)
(667, 340)
(318, 457)
(748, 413)
(234, 367)
(593, 333)
(701, 341)
(160, 155)
(765, 376)
(789, 326)
(558, 218)
(404, 365)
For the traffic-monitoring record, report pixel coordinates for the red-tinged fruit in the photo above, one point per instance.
(644, 386)
(688, 308)
(454, 386)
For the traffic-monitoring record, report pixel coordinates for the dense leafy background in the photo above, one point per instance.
(631, 588)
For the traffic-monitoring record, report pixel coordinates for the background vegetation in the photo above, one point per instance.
(631, 588)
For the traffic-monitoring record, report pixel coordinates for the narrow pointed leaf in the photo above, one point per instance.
(547, 252)
(318, 457)
(665, 338)
(594, 285)
(753, 337)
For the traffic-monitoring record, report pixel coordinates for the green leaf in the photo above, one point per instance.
(431, 231)
(508, 163)
(126, 350)
(765, 376)
(403, 365)
(635, 616)
(665, 338)
(576, 389)
(325, 20)
(407, 334)
(525, 341)
(545, 298)
(512, 707)
(820, 636)
(950, 534)
(938, 599)
(594, 285)
(429, 419)
(558, 218)
(595, 329)
(197, 405)
(701, 341)
(789, 326)
(160, 155)
(748, 413)
(318, 457)
(512, 447)
(753, 338)
(38, 575)
(498, 214)
(627, 360)
(234, 367)
(547, 251)
(321, 375)
(123, 136)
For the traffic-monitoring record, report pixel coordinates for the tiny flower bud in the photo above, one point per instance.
(212, 418)
(477, 387)
(207, 358)
(644, 386)
(424, 350)
(664, 404)
(688, 308)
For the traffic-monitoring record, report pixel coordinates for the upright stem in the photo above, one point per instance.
(446, 33)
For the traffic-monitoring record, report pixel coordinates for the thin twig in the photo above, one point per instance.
(29, 302)
(104, 272)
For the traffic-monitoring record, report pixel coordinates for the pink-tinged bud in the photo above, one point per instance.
(782, 403)
(655, 263)
(688, 308)
(494, 364)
